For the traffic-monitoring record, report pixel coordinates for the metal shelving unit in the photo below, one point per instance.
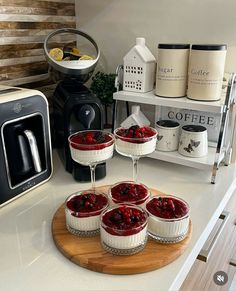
(221, 153)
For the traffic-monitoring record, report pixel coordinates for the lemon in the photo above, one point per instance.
(56, 54)
(86, 57)
(75, 51)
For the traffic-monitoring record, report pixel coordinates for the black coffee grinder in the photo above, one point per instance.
(75, 107)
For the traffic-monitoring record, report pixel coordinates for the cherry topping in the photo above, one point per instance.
(136, 132)
(167, 207)
(87, 204)
(95, 140)
(129, 192)
(124, 220)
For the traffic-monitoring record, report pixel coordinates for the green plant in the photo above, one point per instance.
(103, 86)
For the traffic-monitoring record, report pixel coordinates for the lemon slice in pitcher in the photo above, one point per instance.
(86, 57)
(56, 54)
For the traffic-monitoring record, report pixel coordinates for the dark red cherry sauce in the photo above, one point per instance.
(167, 207)
(91, 140)
(134, 133)
(124, 220)
(129, 192)
(88, 204)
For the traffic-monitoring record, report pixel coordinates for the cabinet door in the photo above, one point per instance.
(222, 258)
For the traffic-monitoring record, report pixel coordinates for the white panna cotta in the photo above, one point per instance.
(87, 157)
(124, 229)
(136, 141)
(82, 212)
(168, 220)
(91, 146)
(124, 242)
(135, 149)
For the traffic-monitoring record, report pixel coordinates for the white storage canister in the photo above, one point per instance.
(168, 135)
(193, 141)
(172, 70)
(206, 71)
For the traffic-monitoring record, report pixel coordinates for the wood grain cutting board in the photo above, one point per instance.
(87, 252)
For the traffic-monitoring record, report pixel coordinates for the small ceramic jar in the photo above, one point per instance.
(168, 135)
(193, 141)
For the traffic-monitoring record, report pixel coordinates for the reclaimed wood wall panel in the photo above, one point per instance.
(24, 25)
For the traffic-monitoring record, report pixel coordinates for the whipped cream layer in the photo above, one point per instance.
(135, 149)
(87, 157)
(123, 242)
(82, 223)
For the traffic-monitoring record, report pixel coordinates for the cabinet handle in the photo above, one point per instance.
(233, 262)
(205, 253)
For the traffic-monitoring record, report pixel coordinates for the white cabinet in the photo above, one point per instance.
(218, 254)
(219, 151)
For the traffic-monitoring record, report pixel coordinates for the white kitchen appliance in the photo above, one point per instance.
(25, 147)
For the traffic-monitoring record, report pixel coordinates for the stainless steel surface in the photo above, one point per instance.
(228, 101)
(34, 150)
(5, 153)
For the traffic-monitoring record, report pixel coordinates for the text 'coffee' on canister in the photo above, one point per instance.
(172, 70)
(206, 71)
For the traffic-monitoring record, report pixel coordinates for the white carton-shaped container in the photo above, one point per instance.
(139, 68)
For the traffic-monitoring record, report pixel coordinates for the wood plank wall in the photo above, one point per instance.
(24, 25)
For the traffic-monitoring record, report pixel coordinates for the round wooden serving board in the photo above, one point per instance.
(87, 252)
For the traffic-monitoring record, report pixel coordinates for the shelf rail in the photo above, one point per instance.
(228, 101)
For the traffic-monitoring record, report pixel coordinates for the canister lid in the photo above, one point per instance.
(173, 46)
(209, 47)
(194, 128)
(167, 123)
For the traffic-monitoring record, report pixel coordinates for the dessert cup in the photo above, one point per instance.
(124, 229)
(83, 210)
(129, 192)
(91, 147)
(168, 220)
(135, 142)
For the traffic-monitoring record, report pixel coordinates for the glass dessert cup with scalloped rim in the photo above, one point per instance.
(135, 147)
(91, 147)
(169, 223)
(82, 212)
(123, 229)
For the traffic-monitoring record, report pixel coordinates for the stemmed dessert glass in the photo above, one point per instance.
(91, 147)
(135, 142)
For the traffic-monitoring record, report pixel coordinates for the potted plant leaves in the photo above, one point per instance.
(103, 86)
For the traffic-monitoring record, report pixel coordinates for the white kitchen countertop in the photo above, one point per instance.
(29, 260)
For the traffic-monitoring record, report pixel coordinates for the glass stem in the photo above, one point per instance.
(92, 172)
(135, 168)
